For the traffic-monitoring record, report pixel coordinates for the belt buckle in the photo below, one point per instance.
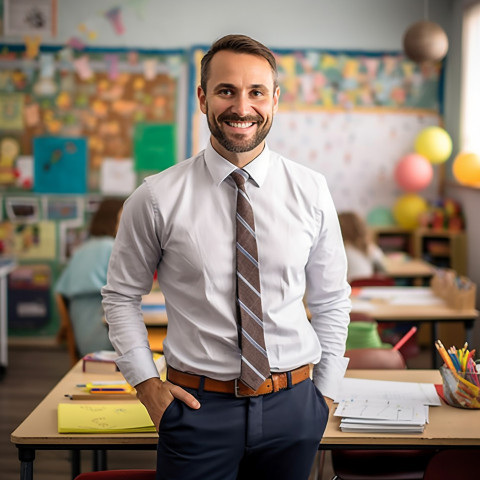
(237, 391)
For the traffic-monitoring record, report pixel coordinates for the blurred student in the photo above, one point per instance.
(84, 276)
(365, 258)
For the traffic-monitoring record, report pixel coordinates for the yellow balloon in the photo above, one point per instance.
(466, 169)
(434, 143)
(407, 210)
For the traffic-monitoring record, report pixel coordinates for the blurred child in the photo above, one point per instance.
(86, 274)
(365, 258)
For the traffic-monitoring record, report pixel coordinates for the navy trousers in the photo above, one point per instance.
(271, 436)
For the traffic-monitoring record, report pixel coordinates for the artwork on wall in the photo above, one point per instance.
(104, 95)
(347, 115)
(60, 165)
(30, 17)
(22, 209)
(35, 241)
(63, 208)
(154, 146)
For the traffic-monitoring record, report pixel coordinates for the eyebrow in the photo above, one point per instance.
(230, 85)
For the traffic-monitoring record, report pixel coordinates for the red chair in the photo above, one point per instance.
(378, 464)
(118, 475)
(361, 317)
(373, 281)
(455, 463)
(375, 358)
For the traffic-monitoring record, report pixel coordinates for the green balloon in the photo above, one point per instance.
(380, 217)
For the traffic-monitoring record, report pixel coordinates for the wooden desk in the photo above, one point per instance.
(39, 430)
(448, 426)
(401, 267)
(411, 304)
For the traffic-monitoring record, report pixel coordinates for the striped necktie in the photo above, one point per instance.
(254, 367)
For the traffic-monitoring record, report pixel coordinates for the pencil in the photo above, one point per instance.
(445, 357)
(404, 339)
(86, 396)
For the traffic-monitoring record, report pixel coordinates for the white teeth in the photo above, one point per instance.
(240, 125)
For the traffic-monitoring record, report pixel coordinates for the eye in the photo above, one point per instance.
(257, 93)
(225, 91)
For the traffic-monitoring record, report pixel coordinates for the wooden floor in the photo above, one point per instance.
(32, 371)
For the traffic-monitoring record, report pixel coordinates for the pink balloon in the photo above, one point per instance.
(413, 172)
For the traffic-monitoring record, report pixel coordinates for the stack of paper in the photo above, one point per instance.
(383, 406)
(105, 418)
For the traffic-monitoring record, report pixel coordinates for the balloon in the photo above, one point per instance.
(407, 210)
(434, 143)
(413, 172)
(466, 169)
(425, 41)
(380, 217)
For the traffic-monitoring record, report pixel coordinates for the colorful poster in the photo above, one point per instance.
(11, 111)
(154, 146)
(35, 241)
(118, 177)
(60, 165)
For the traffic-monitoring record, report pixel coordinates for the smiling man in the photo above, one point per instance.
(237, 235)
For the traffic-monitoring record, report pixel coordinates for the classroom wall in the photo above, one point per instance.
(326, 24)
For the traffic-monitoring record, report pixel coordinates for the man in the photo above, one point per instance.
(213, 418)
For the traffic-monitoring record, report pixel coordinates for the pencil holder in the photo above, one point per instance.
(461, 389)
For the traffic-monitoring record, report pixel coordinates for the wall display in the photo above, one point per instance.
(60, 165)
(62, 208)
(350, 116)
(22, 209)
(30, 17)
(35, 241)
(106, 95)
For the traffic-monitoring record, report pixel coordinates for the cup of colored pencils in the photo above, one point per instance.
(460, 375)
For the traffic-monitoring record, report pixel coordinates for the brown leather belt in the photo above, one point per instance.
(274, 383)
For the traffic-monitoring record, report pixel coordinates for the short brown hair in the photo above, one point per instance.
(104, 221)
(239, 44)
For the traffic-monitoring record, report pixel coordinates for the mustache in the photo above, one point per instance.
(232, 117)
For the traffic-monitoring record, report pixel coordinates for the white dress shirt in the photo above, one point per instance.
(182, 223)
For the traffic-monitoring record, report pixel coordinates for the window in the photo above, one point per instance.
(470, 113)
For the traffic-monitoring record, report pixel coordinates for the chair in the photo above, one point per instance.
(375, 358)
(361, 317)
(455, 463)
(378, 464)
(373, 281)
(66, 328)
(118, 475)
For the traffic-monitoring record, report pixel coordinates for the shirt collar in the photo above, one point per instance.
(220, 168)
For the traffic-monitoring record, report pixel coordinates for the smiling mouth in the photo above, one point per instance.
(240, 124)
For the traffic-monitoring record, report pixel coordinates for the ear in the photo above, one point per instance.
(202, 99)
(276, 96)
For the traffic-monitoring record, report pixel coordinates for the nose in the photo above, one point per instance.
(241, 105)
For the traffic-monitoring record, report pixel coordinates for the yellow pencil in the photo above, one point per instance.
(445, 357)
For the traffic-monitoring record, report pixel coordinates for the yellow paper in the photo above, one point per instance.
(104, 418)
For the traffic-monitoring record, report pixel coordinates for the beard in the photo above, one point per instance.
(237, 143)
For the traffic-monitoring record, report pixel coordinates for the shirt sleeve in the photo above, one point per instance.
(328, 297)
(135, 256)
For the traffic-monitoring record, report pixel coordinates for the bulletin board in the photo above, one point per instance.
(114, 98)
(77, 125)
(349, 115)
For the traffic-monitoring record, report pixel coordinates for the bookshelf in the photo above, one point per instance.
(393, 239)
(443, 248)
